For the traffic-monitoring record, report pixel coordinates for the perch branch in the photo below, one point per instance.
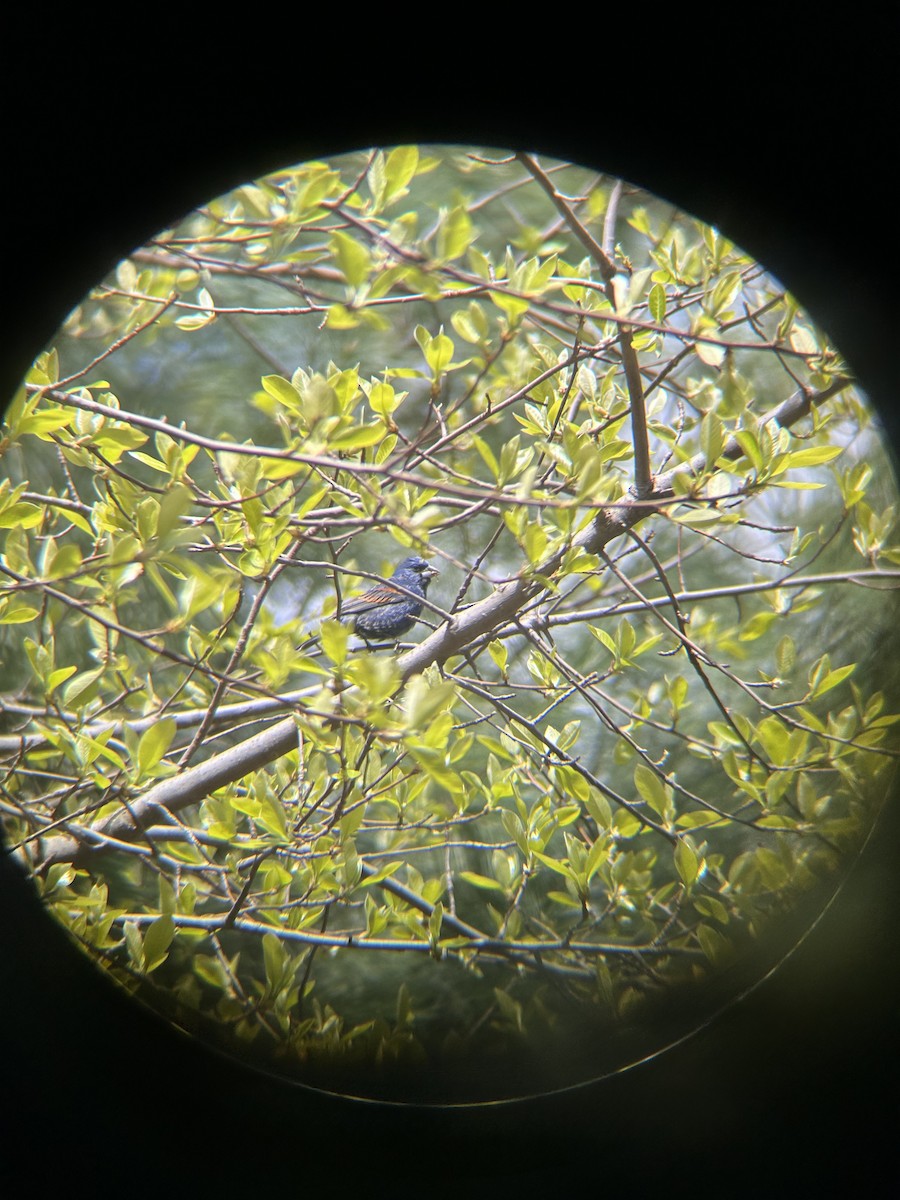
(452, 637)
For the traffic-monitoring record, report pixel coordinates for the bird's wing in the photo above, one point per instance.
(374, 598)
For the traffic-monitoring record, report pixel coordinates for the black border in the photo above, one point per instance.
(794, 1087)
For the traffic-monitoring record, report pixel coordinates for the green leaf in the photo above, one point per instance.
(355, 437)
(351, 821)
(283, 391)
(470, 323)
(479, 264)
(455, 234)
(383, 400)
(709, 353)
(656, 302)
(712, 437)
(832, 679)
(802, 339)
(340, 317)
(716, 947)
(44, 422)
(698, 819)
(499, 653)
(812, 456)
(334, 637)
(21, 515)
(749, 443)
(60, 675)
(563, 868)
(424, 698)
(785, 655)
(83, 688)
(114, 440)
(700, 518)
(12, 613)
(712, 907)
(277, 961)
(148, 460)
(602, 636)
(512, 306)
(487, 454)
(678, 690)
(652, 790)
(353, 258)
(376, 675)
(157, 940)
(385, 872)
(323, 183)
(626, 824)
(154, 743)
(516, 830)
(438, 350)
(686, 861)
(134, 944)
(756, 626)
(376, 179)
(400, 167)
(434, 922)
(482, 881)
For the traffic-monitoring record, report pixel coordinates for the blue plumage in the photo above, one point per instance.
(383, 613)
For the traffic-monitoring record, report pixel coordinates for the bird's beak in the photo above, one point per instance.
(431, 572)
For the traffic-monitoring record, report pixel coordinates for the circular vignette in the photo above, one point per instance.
(577, 881)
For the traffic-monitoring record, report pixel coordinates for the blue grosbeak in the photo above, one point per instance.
(384, 612)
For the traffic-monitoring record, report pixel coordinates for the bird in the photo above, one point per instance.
(384, 612)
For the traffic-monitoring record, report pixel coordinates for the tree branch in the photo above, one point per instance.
(643, 479)
(194, 784)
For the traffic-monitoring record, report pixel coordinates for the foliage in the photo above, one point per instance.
(648, 720)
